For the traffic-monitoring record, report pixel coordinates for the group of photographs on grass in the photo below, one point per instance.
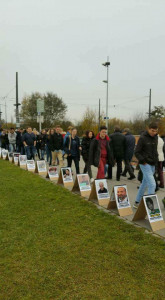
(119, 193)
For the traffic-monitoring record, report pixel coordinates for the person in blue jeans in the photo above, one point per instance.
(29, 141)
(147, 155)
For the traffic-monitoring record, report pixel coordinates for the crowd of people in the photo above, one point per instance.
(102, 151)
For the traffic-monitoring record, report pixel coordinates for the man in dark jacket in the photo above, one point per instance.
(118, 145)
(147, 155)
(100, 152)
(29, 142)
(56, 146)
(129, 151)
(19, 142)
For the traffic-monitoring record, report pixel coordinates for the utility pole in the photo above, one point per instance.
(107, 64)
(17, 103)
(0, 115)
(99, 114)
(149, 105)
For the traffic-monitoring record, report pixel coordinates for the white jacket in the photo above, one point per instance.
(160, 149)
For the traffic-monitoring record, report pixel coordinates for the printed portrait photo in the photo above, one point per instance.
(41, 166)
(83, 180)
(153, 209)
(53, 172)
(102, 189)
(67, 174)
(121, 196)
(31, 164)
(23, 159)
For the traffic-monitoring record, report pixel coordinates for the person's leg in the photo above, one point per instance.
(160, 172)
(100, 173)
(110, 172)
(53, 157)
(86, 166)
(69, 159)
(89, 170)
(11, 148)
(42, 153)
(119, 168)
(28, 153)
(76, 162)
(147, 182)
(33, 152)
(59, 156)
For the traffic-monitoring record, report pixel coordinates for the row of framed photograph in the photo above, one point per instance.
(119, 197)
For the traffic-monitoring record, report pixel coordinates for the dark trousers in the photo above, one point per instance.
(128, 168)
(87, 168)
(160, 173)
(119, 169)
(76, 162)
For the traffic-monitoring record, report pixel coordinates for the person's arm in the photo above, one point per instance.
(138, 151)
(24, 140)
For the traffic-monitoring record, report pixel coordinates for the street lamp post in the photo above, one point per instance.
(107, 64)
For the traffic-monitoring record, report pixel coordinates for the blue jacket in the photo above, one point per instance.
(130, 146)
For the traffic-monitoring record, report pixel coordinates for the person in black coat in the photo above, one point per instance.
(56, 146)
(4, 140)
(118, 144)
(129, 151)
(72, 149)
(86, 141)
(42, 138)
(19, 142)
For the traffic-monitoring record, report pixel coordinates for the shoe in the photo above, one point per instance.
(124, 175)
(136, 204)
(157, 189)
(108, 177)
(132, 177)
(161, 186)
(92, 180)
(117, 179)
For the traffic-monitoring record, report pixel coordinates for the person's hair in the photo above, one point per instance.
(149, 200)
(153, 125)
(58, 126)
(103, 128)
(70, 128)
(126, 130)
(11, 128)
(119, 187)
(30, 127)
(87, 133)
(73, 128)
(117, 128)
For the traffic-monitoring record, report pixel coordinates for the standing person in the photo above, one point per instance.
(147, 155)
(4, 139)
(118, 145)
(12, 140)
(69, 131)
(48, 146)
(100, 152)
(129, 151)
(86, 141)
(19, 143)
(160, 161)
(72, 149)
(56, 146)
(29, 141)
(42, 141)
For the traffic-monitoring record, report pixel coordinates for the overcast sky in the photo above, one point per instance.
(60, 46)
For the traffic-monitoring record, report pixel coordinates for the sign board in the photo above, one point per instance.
(31, 165)
(40, 119)
(119, 199)
(82, 185)
(23, 161)
(41, 167)
(100, 193)
(149, 206)
(16, 158)
(65, 177)
(52, 173)
(4, 154)
(40, 105)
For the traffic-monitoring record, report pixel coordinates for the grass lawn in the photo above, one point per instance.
(55, 245)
